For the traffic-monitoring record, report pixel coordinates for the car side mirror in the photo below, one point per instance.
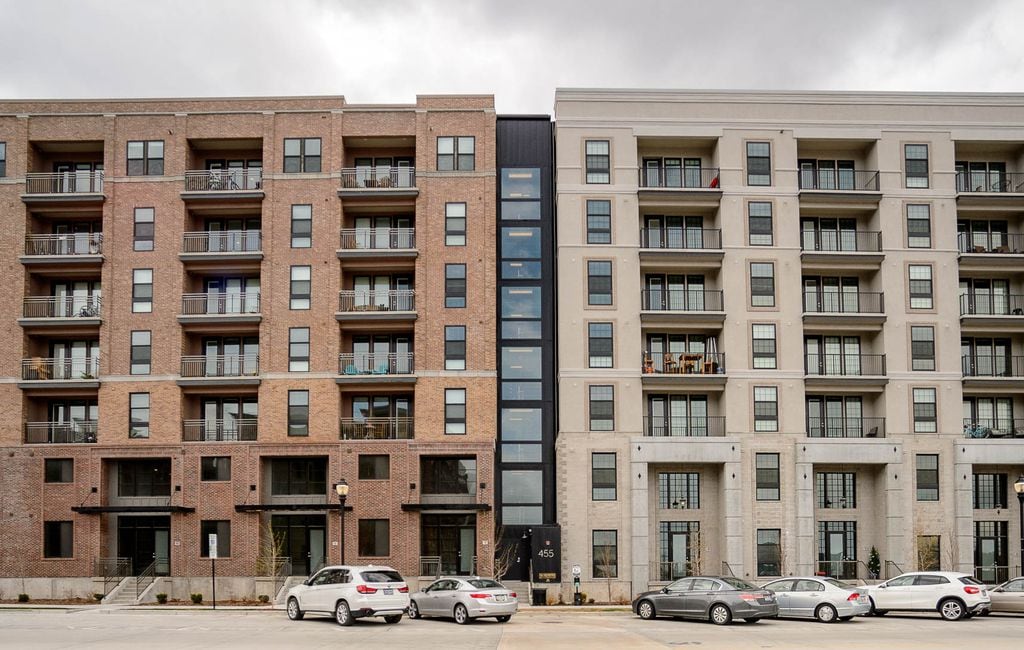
(999, 589)
(664, 590)
(307, 581)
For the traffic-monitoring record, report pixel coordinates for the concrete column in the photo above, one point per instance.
(896, 544)
(963, 517)
(732, 505)
(805, 541)
(640, 523)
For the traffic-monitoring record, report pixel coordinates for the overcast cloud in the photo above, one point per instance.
(384, 51)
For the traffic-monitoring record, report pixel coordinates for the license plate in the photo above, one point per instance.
(769, 599)
(502, 598)
(388, 592)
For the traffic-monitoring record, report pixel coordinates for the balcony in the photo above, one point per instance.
(989, 190)
(218, 307)
(60, 312)
(991, 312)
(844, 309)
(60, 433)
(222, 246)
(60, 373)
(397, 428)
(231, 430)
(992, 371)
(381, 183)
(377, 244)
(676, 247)
(845, 427)
(390, 305)
(699, 307)
(64, 187)
(220, 370)
(850, 249)
(80, 249)
(849, 187)
(683, 426)
(993, 427)
(223, 184)
(987, 250)
(372, 367)
(842, 371)
(680, 186)
(692, 371)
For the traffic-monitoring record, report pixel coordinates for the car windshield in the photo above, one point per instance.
(737, 584)
(481, 583)
(968, 580)
(381, 576)
(839, 583)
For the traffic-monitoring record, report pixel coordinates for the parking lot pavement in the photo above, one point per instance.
(123, 628)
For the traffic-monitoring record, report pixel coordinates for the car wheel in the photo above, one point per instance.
(504, 619)
(984, 612)
(877, 612)
(343, 614)
(414, 609)
(294, 613)
(461, 614)
(720, 614)
(825, 613)
(646, 610)
(952, 609)
(391, 620)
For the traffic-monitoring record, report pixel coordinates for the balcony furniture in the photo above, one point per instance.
(39, 369)
(671, 366)
(691, 362)
(872, 433)
(648, 364)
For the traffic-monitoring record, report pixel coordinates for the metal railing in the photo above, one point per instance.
(989, 181)
(375, 363)
(992, 365)
(681, 178)
(59, 433)
(382, 428)
(845, 365)
(378, 178)
(218, 303)
(112, 569)
(680, 238)
(431, 566)
(844, 302)
(222, 241)
(684, 426)
(842, 241)
(669, 571)
(373, 239)
(383, 300)
(61, 307)
(727, 569)
(845, 427)
(686, 363)
(71, 182)
(682, 299)
(840, 180)
(234, 430)
(995, 574)
(146, 577)
(842, 569)
(991, 242)
(220, 365)
(993, 427)
(81, 243)
(892, 569)
(224, 180)
(47, 369)
(991, 304)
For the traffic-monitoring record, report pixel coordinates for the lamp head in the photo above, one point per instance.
(1018, 486)
(341, 487)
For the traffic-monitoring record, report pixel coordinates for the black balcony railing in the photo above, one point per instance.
(71, 182)
(220, 365)
(79, 243)
(844, 302)
(224, 180)
(682, 299)
(54, 369)
(997, 427)
(382, 428)
(839, 180)
(375, 363)
(61, 307)
(381, 177)
(991, 304)
(240, 304)
(383, 300)
(845, 365)
(231, 430)
(222, 241)
(842, 241)
(680, 178)
(684, 426)
(684, 363)
(679, 238)
(991, 242)
(992, 365)
(845, 427)
(375, 239)
(989, 181)
(78, 431)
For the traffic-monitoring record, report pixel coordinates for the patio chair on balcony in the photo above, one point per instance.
(351, 369)
(872, 433)
(38, 369)
(381, 368)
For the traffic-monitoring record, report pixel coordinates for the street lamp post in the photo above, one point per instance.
(1018, 487)
(341, 487)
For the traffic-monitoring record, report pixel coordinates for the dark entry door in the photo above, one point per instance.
(145, 540)
(452, 538)
(303, 539)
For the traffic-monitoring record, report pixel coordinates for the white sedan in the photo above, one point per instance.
(464, 599)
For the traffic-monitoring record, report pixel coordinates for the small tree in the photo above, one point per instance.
(607, 563)
(505, 554)
(874, 564)
(271, 549)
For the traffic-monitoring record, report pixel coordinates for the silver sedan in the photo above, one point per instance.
(824, 599)
(464, 599)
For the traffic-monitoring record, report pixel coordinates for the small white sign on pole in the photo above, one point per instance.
(213, 546)
(576, 570)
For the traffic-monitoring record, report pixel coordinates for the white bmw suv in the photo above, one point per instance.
(351, 592)
(953, 595)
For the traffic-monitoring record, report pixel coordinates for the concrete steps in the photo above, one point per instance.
(122, 594)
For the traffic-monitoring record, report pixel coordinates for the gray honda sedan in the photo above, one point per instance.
(716, 599)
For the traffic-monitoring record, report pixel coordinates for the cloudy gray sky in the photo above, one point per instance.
(375, 51)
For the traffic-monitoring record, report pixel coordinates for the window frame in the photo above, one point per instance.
(135, 414)
(601, 573)
(920, 296)
(304, 238)
(141, 303)
(453, 235)
(601, 342)
(753, 178)
(454, 348)
(65, 548)
(210, 470)
(593, 278)
(298, 413)
(595, 414)
(601, 487)
(296, 298)
(141, 240)
(3, 159)
(151, 165)
(455, 297)
(926, 423)
(593, 173)
(303, 159)
(140, 355)
(376, 529)
(923, 476)
(56, 472)
(364, 476)
(927, 219)
(758, 294)
(763, 423)
(598, 235)
(454, 423)
(764, 487)
(298, 362)
(916, 174)
(759, 545)
(222, 529)
(763, 360)
(926, 361)
(457, 159)
(760, 237)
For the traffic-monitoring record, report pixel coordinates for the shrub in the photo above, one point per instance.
(264, 598)
(161, 598)
(22, 598)
(98, 597)
(197, 599)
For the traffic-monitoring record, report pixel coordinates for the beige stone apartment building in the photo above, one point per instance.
(798, 334)
(215, 309)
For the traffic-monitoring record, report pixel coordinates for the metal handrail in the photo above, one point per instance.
(380, 428)
(222, 430)
(375, 363)
(382, 177)
(992, 365)
(69, 182)
(382, 300)
(845, 427)
(682, 299)
(842, 569)
(993, 574)
(839, 180)
(218, 303)
(989, 181)
(996, 427)
(39, 368)
(684, 426)
(145, 578)
(727, 570)
(669, 571)
(61, 307)
(990, 243)
(112, 569)
(844, 302)
(845, 365)
(430, 561)
(680, 178)
(220, 365)
(685, 363)
(232, 179)
(222, 241)
(79, 243)
(841, 241)
(681, 238)
(892, 569)
(991, 304)
(378, 238)
(77, 431)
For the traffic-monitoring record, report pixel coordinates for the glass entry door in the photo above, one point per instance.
(145, 540)
(450, 540)
(302, 539)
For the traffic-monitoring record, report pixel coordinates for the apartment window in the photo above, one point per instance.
(922, 347)
(605, 554)
(602, 408)
(58, 539)
(925, 420)
(769, 552)
(144, 477)
(454, 224)
(836, 489)
(298, 349)
(600, 345)
(916, 165)
(920, 286)
(146, 158)
(374, 467)
(298, 413)
(456, 153)
(599, 283)
(919, 226)
(215, 468)
(455, 411)
(302, 226)
(59, 470)
(766, 408)
(142, 291)
(301, 287)
(990, 491)
(141, 352)
(766, 467)
(144, 228)
(448, 475)
(3, 159)
(679, 491)
(598, 161)
(927, 477)
(222, 529)
(759, 163)
(762, 284)
(929, 553)
(454, 285)
(759, 222)
(374, 537)
(602, 476)
(138, 417)
(763, 345)
(301, 155)
(599, 222)
(455, 347)
(292, 476)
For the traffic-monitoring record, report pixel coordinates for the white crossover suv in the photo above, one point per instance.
(952, 595)
(351, 592)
